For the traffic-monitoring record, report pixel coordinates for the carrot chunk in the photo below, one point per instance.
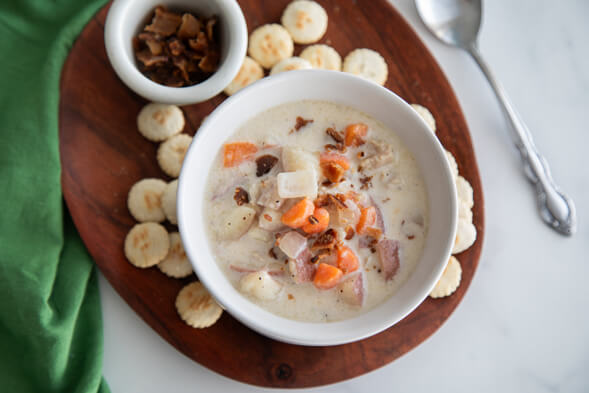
(317, 222)
(333, 166)
(237, 152)
(347, 261)
(327, 276)
(354, 134)
(298, 214)
(367, 219)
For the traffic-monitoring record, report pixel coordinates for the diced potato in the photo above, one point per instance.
(352, 290)
(260, 285)
(270, 220)
(236, 223)
(297, 184)
(297, 159)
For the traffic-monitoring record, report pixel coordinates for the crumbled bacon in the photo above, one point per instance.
(301, 123)
(366, 182)
(350, 232)
(241, 196)
(164, 23)
(190, 27)
(327, 239)
(337, 136)
(265, 164)
(177, 50)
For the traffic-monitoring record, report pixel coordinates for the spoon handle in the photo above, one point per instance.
(556, 209)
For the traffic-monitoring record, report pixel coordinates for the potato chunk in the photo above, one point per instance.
(297, 184)
(260, 285)
(236, 223)
(297, 159)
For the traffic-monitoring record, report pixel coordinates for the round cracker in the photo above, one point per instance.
(169, 201)
(196, 306)
(305, 20)
(144, 200)
(146, 244)
(269, 44)
(367, 64)
(449, 281)
(158, 122)
(176, 263)
(426, 115)
(466, 234)
(290, 64)
(323, 57)
(464, 191)
(453, 164)
(170, 154)
(249, 72)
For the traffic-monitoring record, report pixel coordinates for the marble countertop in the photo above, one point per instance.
(523, 325)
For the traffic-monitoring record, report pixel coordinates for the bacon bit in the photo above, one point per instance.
(313, 220)
(314, 259)
(265, 164)
(301, 123)
(386, 200)
(360, 154)
(241, 196)
(338, 147)
(290, 296)
(327, 239)
(366, 182)
(272, 253)
(327, 183)
(337, 136)
(360, 168)
(267, 217)
(350, 233)
(340, 199)
(410, 237)
(164, 23)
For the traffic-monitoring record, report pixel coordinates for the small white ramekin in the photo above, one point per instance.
(126, 18)
(360, 94)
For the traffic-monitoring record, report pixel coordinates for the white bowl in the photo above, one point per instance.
(125, 20)
(369, 98)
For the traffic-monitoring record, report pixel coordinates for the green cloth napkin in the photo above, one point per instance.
(50, 317)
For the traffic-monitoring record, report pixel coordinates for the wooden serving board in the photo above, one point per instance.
(103, 155)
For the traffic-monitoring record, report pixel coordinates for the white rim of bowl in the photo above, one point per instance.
(127, 71)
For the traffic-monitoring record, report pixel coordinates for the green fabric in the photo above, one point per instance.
(50, 317)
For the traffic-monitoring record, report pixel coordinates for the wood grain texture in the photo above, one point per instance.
(103, 155)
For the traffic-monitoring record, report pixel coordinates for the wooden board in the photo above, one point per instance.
(103, 155)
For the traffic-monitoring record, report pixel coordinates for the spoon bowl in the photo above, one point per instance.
(455, 22)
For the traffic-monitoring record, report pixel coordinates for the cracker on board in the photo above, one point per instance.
(196, 306)
(305, 20)
(144, 200)
(449, 281)
(158, 122)
(249, 72)
(464, 191)
(268, 44)
(170, 154)
(290, 64)
(367, 64)
(466, 234)
(426, 115)
(453, 164)
(176, 263)
(323, 57)
(169, 201)
(146, 244)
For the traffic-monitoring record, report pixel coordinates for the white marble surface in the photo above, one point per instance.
(523, 326)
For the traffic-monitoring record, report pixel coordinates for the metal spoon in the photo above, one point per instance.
(457, 23)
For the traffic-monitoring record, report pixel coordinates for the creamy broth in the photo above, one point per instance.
(383, 174)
